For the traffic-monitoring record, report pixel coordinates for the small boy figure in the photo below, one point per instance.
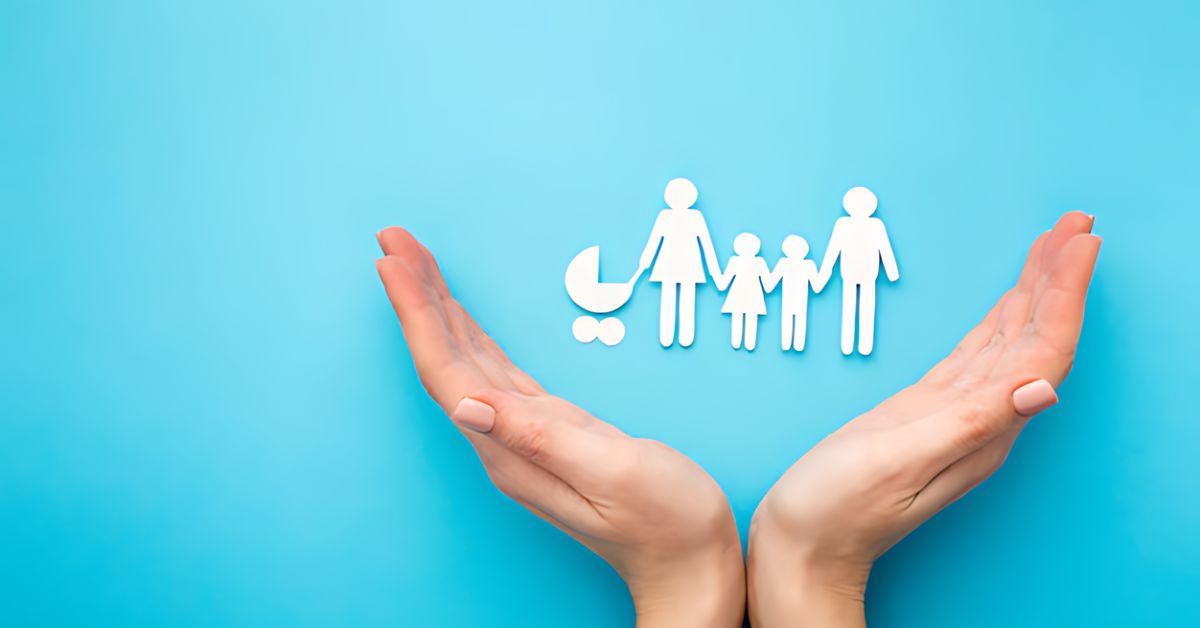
(797, 274)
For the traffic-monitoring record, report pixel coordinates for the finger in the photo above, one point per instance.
(409, 289)
(1033, 264)
(1069, 225)
(445, 360)
(950, 366)
(547, 432)
(454, 356)
(398, 242)
(402, 250)
(971, 422)
(538, 490)
(1016, 315)
(1058, 314)
(491, 352)
(1047, 349)
(436, 352)
(978, 338)
(1016, 311)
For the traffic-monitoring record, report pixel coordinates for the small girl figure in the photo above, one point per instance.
(797, 274)
(743, 276)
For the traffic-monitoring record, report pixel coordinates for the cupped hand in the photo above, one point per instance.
(650, 511)
(819, 530)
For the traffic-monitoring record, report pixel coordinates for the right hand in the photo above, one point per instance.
(650, 511)
(819, 530)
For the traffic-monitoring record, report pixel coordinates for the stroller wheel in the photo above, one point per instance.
(610, 331)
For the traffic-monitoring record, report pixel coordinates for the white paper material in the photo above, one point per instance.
(680, 256)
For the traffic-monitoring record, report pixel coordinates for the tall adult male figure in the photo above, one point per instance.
(861, 242)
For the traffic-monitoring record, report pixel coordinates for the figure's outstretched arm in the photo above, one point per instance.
(885, 252)
(831, 255)
(656, 236)
(813, 275)
(722, 279)
(710, 253)
(771, 278)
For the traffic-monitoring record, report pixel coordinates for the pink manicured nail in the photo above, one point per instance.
(474, 415)
(1034, 397)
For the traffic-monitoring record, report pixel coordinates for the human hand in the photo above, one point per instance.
(650, 511)
(819, 530)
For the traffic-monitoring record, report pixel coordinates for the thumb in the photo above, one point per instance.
(976, 419)
(544, 430)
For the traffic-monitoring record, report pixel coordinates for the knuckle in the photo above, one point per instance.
(976, 425)
(529, 441)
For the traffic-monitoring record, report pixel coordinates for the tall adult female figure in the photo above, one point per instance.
(678, 266)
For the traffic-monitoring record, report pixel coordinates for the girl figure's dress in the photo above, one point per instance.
(746, 290)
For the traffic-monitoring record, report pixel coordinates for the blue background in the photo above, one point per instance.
(207, 412)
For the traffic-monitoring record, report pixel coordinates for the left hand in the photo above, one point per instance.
(650, 511)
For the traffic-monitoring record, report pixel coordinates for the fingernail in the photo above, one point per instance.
(474, 415)
(1034, 397)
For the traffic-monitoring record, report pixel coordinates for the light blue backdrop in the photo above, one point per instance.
(207, 412)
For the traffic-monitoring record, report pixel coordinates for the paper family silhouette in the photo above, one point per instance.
(680, 256)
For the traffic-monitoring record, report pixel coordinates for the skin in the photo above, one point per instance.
(652, 513)
(664, 524)
(843, 504)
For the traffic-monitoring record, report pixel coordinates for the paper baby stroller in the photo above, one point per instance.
(588, 292)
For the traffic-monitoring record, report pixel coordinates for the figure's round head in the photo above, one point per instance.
(795, 246)
(747, 244)
(680, 194)
(860, 202)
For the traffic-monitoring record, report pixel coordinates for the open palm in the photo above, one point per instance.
(651, 512)
(818, 531)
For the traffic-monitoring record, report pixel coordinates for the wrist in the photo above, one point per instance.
(791, 584)
(804, 598)
(701, 591)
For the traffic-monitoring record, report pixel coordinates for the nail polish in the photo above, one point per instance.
(1034, 397)
(474, 415)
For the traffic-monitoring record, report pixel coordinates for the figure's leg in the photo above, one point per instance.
(849, 301)
(801, 328)
(666, 315)
(751, 331)
(785, 336)
(687, 314)
(735, 336)
(866, 319)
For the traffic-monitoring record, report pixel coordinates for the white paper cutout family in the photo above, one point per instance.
(680, 256)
